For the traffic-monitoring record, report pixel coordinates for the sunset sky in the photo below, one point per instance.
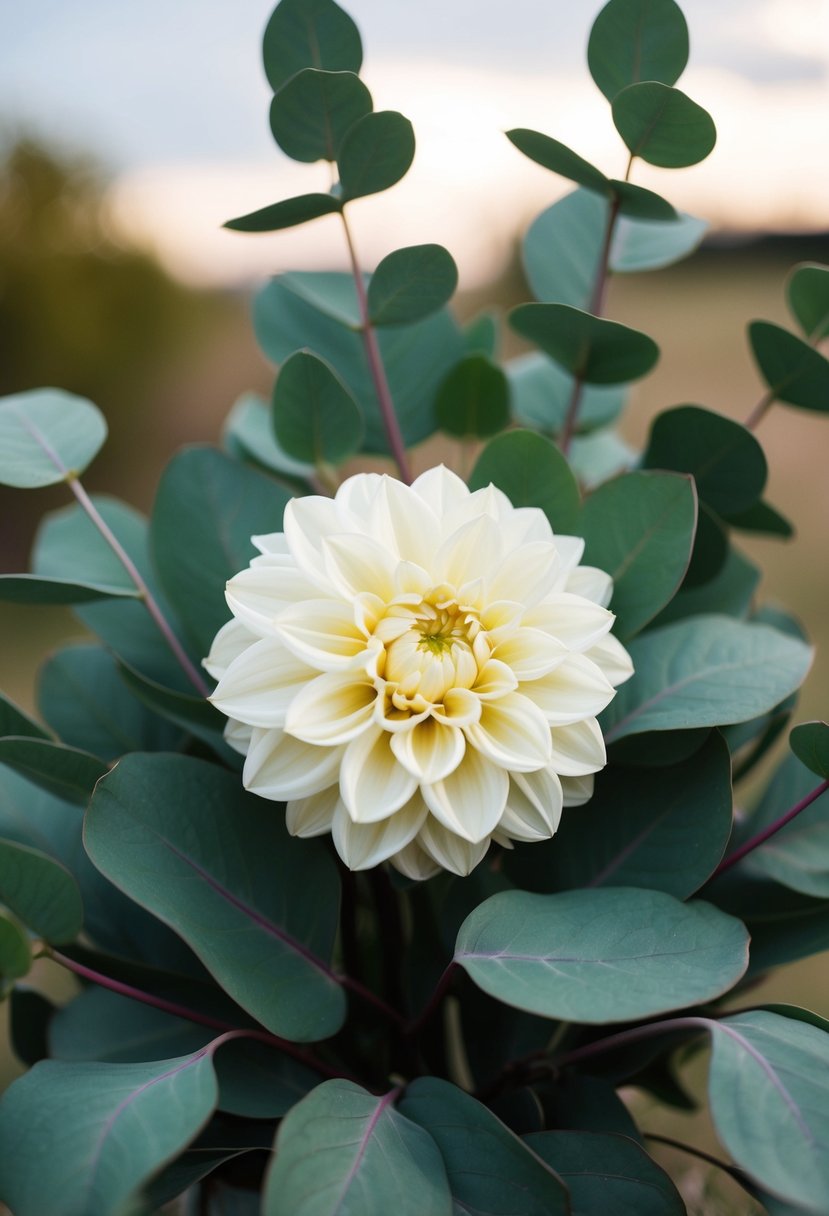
(171, 96)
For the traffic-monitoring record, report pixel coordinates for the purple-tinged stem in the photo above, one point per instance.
(634, 1035)
(760, 410)
(375, 363)
(143, 590)
(759, 838)
(435, 999)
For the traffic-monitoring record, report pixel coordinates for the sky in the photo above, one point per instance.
(171, 96)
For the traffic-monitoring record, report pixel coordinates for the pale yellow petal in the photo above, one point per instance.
(414, 863)
(271, 543)
(363, 845)
(592, 583)
(471, 800)
(372, 782)
(323, 633)
(231, 640)
(577, 790)
(430, 751)
(610, 655)
(307, 522)
(312, 816)
(530, 653)
(256, 596)
(572, 619)
(578, 749)
(238, 735)
(449, 851)
(460, 707)
(576, 689)
(495, 680)
(513, 733)
(333, 708)
(356, 564)
(526, 574)
(260, 684)
(441, 489)
(356, 496)
(404, 523)
(281, 767)
(534, 805)
(468, 552)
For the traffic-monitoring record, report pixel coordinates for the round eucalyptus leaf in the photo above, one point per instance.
(33, 589)
(313, 111)
(596, 350)
(375, 153)
(639, 528)
(65, 772)
(15, 958)
(601, 955)
(640, 244)
(47, 436)
(793, 371)
(315, 418)
(541, 394)
(807, 290)
(727, 462)
(710, 549)
(761, 517)
(731, 591)
(558, 158)
(285, 214)
(481, 334)
(248, 435)
(13, 721)
(798, 855)
(641, 204)
(662, 125)
(810, 743)
(473, 399)
(344, 1150)
(633, 40)
(40, 892)
(562, 248)
(309, 34)
(606, 1173)
(532, 473)
(192, 714)
(410, 284)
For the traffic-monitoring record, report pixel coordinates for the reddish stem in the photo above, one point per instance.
(759, 838)
(634, 1035)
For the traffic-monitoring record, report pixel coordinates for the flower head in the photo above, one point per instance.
(417, 670)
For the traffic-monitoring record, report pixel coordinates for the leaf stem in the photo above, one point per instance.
(761, 837)
(634, 1035)
(143, 590)
(732, 1170)
(595, 307)
(434, 1001)
(375, 362)
(760, 410)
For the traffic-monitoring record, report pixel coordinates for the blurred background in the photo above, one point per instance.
(129, 133)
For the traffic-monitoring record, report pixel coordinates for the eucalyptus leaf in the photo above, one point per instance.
(490, 1170)
(410, 284)
(473, 400)
(640, 529)
(40, 892)
(599, 455)
(309, 33)
(798, 855)
(313, 111)
(561, 251)
(557, 157)
(481, 335)
(33, 589)
(315, 418)
(15, 958)
(641, 204)
(192, 714)
(286, 214)
(640, 245)
(810, 743)
(793, 370)
(375, 153)
(706, 670)
(594, 349)
(541, 394)
(248, 435)
(807, 291)
(13, 721)
(731, 591)
(633, 40)
(601, 955)
(761, 517)
(710, 552)
(532, 473)
(66, 772)
(183, 839)
(47, 436)
(663, 125)
(606, 1173)
(343, 1150)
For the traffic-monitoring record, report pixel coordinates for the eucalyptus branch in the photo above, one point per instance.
(732, 1170)
(635, 1035)
(143, 590)
(760, 410)
(761, 837)
(375, 363)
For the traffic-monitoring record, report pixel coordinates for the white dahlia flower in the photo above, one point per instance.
(417, 670)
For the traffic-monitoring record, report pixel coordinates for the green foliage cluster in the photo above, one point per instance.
(274, 1034)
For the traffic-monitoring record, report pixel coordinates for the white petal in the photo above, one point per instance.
(333, 708)
(576, 689)
(530, 653)
(430, 751)
(414, 863)
(312, 816)
(356, 496)
(404, 524)
(591, 583)
(460, 707)
(577, 790)
(570, 551)
(611, 657)
(494, 680)
(260, 684)
(578, 749)
(572, 619)
(534, 805)
(468, 552)
(308, 521)
(355, 564)
(231, 640)
(271, 542)
(525, 524)
(281, 767)
(470, 801)
(372, 782)
(451, 852)
(323, 633)
(512, 733)
(441, 489)
(526, 574)
(257, 595)
(238, 735)
(363, 845)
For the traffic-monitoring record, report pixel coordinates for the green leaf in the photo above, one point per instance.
(595, 349)
(47, 436)
(13, 721)
(82, 696)
(810, 743)
(557, 157)
(705, 671)
(710, 551)
(286, 214)
(731, 591)
(40, 891)
(607, 1174)
(248, 435)
(343, 1150)
(541, 393)
(376, 153)
(109, 1127)
(633, 40)
(183, 839)
(315, 418)
(639, 528)
(192, 714)
(662, 829)
(761, 518)
(490, 1170)
(807, 291)
(481, 335)
(65, 772)
(309, 33)
(727, 462)
(473, 400)
(768, 1099)
(603, 955)
(31, 589)
(15, 957)
(638, 245)
(292, 313)
(206, 509)
(663, 125)
(798, 855)
(410, 284)
(642, 204)
(793, 371)
(532, 473)
(562, 249)
(313, 111)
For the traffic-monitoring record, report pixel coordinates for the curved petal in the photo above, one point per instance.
(312, 816)
(355, 564)
(238, 735)
(307, 522)
(570, 552)
(281, 767)
(460, 707)
(231, 641)
(470, 801)
(414, 863)
(442, 490)
(495, 679)
(372, 783)
(577, 790)
(451, 852)
(525, 524)
(468, 552)
(257, 595)
(526, 574)
(592, 583)
(363, 845)
(333, 708)
(261, 683)
(429, 751)
(356, 497)
(578, 749)
(271, 543)
(534, 806)
(404, 523)
(576, 689)
(530, 653)
(572, 619)
(323, 633)
(610, 656)
(512, 733)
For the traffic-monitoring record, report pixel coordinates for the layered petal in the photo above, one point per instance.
(362, 845)
(534, 805)
(576, 689)
(429, 751)
(513, 733)
(260, 684)
(333, 708)
(312, 816)
(281, 767)
(231, 641)
(372, 783)
(323, 634)
(578, 749)
(450, 851)
(471, 800)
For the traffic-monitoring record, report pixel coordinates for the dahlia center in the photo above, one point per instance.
(431, 648)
